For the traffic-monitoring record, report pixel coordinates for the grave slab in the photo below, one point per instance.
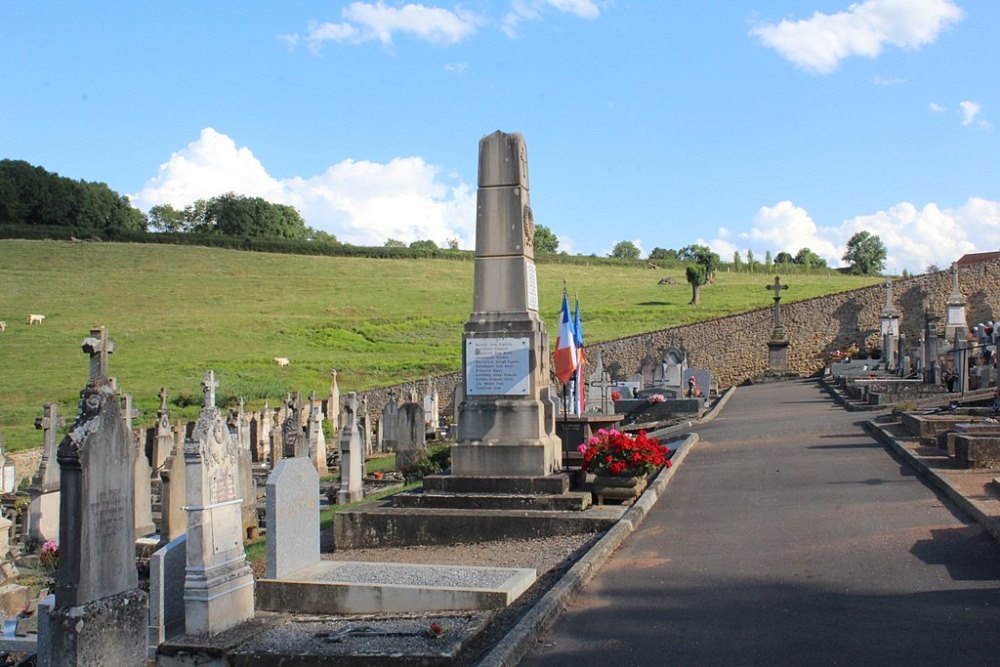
(353, 587)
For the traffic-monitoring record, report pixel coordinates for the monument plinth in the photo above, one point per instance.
(506, 422)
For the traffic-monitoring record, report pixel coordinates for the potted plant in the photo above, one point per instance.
(621, 462)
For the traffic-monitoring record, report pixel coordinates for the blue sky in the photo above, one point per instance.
(755, 125)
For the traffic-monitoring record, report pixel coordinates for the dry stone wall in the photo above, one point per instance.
(734, 348)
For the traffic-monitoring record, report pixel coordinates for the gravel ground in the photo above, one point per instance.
(549, 556)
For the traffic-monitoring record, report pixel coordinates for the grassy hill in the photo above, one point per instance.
(174, 312)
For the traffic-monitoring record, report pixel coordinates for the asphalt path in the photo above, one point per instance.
(790, 537)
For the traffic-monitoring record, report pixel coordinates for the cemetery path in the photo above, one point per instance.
(790, 536)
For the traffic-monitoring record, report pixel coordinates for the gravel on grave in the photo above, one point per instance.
(466, 636)
(452, 576)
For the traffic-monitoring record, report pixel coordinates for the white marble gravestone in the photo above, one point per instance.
(218, 589)
(292, 517)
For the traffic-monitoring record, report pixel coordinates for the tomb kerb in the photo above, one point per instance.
(507, 418)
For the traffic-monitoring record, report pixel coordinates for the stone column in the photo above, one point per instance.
(506, 421)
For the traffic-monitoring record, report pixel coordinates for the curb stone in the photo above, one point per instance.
(509, 651)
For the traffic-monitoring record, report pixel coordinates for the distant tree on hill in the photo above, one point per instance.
(751, 262)
(424, 245)
(33, 196)
(453, 244)
(164, 218)
(865, 253)
(238, 215)
(784, 258)
(767, 261)
(625, 250)
(394, 243)
(807, 258)
(663, 253)
(737, 261)
(545, 240)
(696, 277)
(708, 260)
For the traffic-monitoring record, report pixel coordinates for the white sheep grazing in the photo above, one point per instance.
(281, 361)
(35, 318)
(3, 325)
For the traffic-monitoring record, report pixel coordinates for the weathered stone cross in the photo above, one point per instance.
(98, 346)
(209, 385)
(776, 288)
(163, 401)
(48, 425)
(604, 384)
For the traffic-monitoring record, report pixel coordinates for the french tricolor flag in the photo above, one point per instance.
(566, 354)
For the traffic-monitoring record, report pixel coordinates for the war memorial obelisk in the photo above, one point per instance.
(506, 422)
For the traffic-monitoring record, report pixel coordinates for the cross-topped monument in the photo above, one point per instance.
(776, 288)
(209, 385)
(163, 402)
(98, 346)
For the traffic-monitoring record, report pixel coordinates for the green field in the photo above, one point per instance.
(174, 312)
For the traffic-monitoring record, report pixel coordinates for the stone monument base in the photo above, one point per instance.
(777, 356)
(218, 598)
(524, 484)
(506, 460)
(109, 631)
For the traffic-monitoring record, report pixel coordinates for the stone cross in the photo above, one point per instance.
(98, 346)
(776, 288)
(48, 425)
(163, 402)
(209, 385)
(604, 385)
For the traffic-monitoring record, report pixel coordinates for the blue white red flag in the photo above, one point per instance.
(566, 357)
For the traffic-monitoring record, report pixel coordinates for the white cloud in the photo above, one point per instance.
(969, 111)
(360, 202)
(367, 22)
(819, 43)
(936, 108)
(914, 238)
(531, 10)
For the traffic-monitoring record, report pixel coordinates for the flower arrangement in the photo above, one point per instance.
(612, 452)
(616, 396)
(48, 556)
(657, 398)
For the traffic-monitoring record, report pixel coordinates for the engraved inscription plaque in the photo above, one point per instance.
(227, 528)
(497, 366)
(531, 282)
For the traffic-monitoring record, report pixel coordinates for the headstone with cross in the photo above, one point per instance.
(314, 433)
(333, 402)
(599, 384)
(100, 615)
(47, 477)
(98, 346)
(351, 454)
(43, 493)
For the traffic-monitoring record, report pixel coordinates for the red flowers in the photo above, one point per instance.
(616, 453)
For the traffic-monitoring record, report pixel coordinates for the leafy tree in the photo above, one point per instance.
(707, 259)
(452, 244)
(545, 240)
(320, 236)
(164, 218)
(424, 245)
(750, 261)
(807, 258)
(663, 253)
(237, 215)
(865, 253)
(394, 243)
(686, 254)
(932, 268)
(625, 250)
(696, 277)
(767, 261)
(784, 258)
(737, 261)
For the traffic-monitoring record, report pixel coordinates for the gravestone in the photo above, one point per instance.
(411, 434)
(365, 428)
(173, 492)
(599, 388)
(8, 471)
(889, 328)
(143, 492)
(672, 366)
(267, 428)
(166, 591)
(317, 441)
(431, 407)
(292, 517)
(100, 614)
(163, 437)
(333, 403)
(390, 426)
(43, 507)
(955, 308)
(218, 589)
(293, 436)
(240, 432)
(506, 420)
(702, 378)
(351, 454)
